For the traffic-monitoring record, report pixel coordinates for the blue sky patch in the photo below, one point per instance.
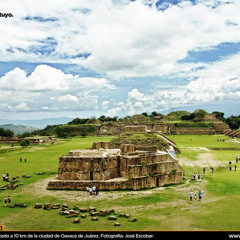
(215, 54)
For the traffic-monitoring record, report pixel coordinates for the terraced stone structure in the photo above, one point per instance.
(110, 169)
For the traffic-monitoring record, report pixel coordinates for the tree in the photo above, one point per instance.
(219, 115)
(144, 114)
(24, 143)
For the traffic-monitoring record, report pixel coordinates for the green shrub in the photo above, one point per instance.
(24, 143)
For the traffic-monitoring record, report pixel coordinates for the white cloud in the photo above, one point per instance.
(124, 39)
(68, 98)
(105, 104)
(48, 88)
(113, 111)
(215, 82)
(43, 78)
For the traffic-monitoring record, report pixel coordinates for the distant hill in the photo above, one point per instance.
(40, 124)
(18, 129)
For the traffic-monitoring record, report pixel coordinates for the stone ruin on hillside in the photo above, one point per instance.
(111, 169)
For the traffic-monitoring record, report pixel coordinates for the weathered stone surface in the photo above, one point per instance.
(65, 205)
(47, 206)
(133, 219)
(111, 169)
(112, 218)
(82, 210)
(65, 212)
(72, 215)
(127, 215)
(76, 220)
(94, 213)
(117, 224)
(104, 212)
(38, 205)
(121, 215)
(92, 209)
(83, 216)
(94, 218)
(73, 212)
(56, 206)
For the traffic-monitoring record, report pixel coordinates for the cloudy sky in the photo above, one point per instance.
(72, 58)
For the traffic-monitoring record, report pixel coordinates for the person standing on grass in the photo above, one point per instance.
(235, 167)
(230, 167)
(200, 195)
(5, 201)
(190, 195)
(97, 190)
(88, 191)
(9, 200)
(20, 159)
(204, 170)
(25, 159)
(94, 190)
(4, 177)
(195, 196)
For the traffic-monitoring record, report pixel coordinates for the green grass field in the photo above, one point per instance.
(166, 208)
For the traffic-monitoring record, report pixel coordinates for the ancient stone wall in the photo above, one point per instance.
(98, 145)
(135, 183)
(192, 131)
(83, 168)
(123, 168)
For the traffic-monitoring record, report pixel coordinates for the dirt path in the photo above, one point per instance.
(40, 189)
(204, 159)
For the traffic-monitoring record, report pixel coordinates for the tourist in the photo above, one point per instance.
(212, 169)
(200, 195)
(88, 191)
(25, 159)
(230, 167)
(191, 195)
(4, 176)
(235, 167)
(204, 170)
(195, 196)
(94, 190)
(198, 176)
(9, 200)
(20, 159)
(97, 190)
(5, 201)
(236, 159)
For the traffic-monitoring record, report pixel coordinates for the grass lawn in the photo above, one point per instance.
(166, 208)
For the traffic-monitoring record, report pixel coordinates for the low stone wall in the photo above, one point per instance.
(133, 184)
(192, 131)
(149, 169)
(156, 180)
(82, 185)
(74, 168)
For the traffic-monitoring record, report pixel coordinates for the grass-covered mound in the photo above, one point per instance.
(140, 141)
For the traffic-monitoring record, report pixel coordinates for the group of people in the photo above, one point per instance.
(25, 159)
(211, 169)
(196, 176)
(92, 190)
(195, 196)
(7, 201)
(235, 166)
(6, 177)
